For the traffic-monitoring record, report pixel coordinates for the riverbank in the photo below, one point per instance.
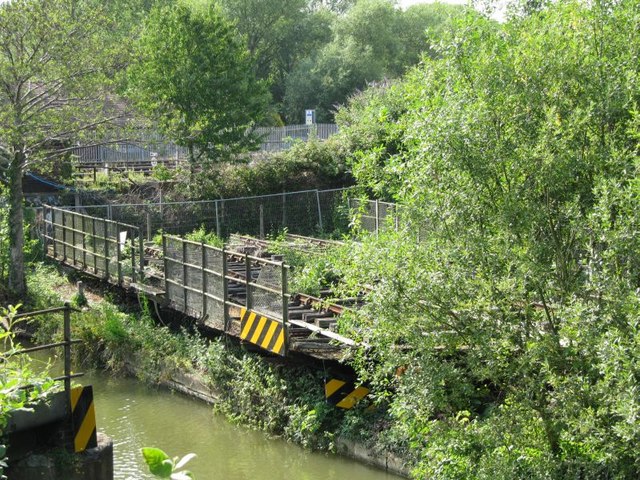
(245, 387)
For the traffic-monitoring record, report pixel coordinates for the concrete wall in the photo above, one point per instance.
(95, 464)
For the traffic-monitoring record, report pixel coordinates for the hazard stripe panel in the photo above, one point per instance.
(83, 419)
(344, 394)
(262, 331)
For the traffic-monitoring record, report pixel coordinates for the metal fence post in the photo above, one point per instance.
(118, 253)
(133, 257)
(247, 272)
(148, 225)
(377, 211)
(164, 258)
(261, 221)
(53, 232)
(64, 237)
(84, 243)
(285, 307)
(225, 289)
(73, 237)
(319, 210)
(218, 231)
(107, 257)
(184, 273)
(93, 241)
(204, 279)
(67, 355)
(284, 210)
(140, 256)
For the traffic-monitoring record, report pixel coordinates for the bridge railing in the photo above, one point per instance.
(201, 280)
(110, 250)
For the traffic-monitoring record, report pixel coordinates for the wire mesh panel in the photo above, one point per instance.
(193, 272)
(266, 293)
(194, 276)
(214, 287)
(101, 247)
(89, 258)
(364, 213)
(67, 221)
(374, 216)
(174, 271)
(387, 217)
(58, 232)
(303, 214)
(334, 210)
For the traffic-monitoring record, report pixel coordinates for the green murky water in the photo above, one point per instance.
(135, 416)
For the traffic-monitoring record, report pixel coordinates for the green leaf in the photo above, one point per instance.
(159, 462)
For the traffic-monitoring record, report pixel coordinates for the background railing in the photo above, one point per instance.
(309, 212)
(150, 147)
(281, 138)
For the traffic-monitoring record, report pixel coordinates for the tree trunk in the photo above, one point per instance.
(192, 162)
(17, 283)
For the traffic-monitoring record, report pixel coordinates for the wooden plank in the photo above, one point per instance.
(326, 333)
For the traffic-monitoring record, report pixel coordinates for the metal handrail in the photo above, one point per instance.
(66, 343)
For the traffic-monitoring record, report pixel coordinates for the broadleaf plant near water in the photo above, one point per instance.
(162, 466)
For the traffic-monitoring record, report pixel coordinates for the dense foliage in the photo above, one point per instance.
(516, 317)
(193, 76)
(307, 165)
(372, 41)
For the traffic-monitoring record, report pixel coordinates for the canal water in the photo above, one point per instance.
(135, 415)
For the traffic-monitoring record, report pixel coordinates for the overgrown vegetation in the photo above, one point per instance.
(505, 340)
(515, 318)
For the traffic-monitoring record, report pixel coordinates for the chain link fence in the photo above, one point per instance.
(310, 213)
(375, 216)
(314, 213)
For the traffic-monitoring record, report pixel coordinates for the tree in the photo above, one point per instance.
(56, 70)
(517, 312)
(279, 33)
(371, 42)
(194, 77)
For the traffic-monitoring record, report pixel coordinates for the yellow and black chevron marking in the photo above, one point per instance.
(344, 394)
(83, 419)
(262, 331)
